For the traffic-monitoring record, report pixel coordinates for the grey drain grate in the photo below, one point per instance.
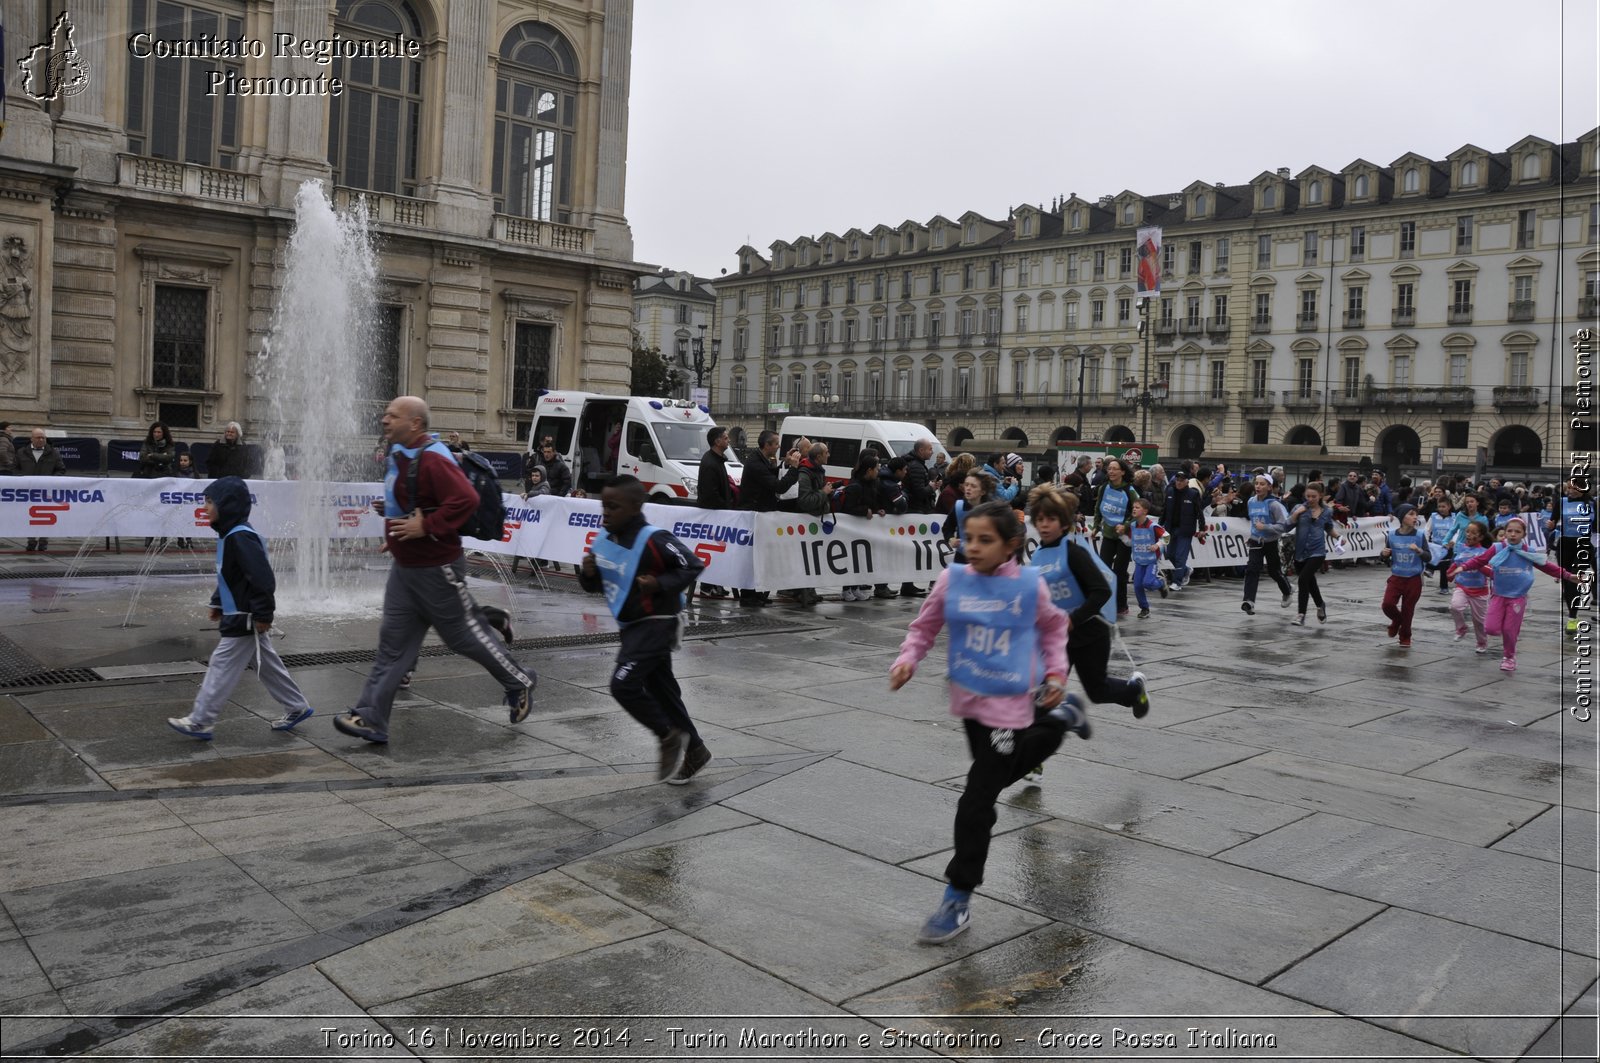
(58, 677)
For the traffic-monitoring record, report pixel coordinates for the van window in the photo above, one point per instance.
(639, 439)
(682, 442)
(560, 428)
(840, 451)
(878, 449)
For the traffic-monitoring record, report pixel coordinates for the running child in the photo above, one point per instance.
(1079, 588)
(643, 572)
(1145, 536)
(1111, 506)
(1312, 522)
(1445, 526)
(1470, 599)
(1503, 516)
(977, 487)
(1268, 521)
(1006, 638)
(1511, 565)
(1407, 551)
(243, 605)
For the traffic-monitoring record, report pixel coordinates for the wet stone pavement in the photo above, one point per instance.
(1317, 845)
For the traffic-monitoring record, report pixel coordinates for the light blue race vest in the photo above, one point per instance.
(619, 565)
(391, 508)
(961, 524)
(1440, 529)
(229, 606)
(1577, 518)
(1404, 561)
(1053, 564)
(1513, 573)
(1114, 505)
(1470, 580)
(1146, 548)
(1502, 519)
(1259, 509)
(994, 641)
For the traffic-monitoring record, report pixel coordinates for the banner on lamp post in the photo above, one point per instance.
(1149, 268)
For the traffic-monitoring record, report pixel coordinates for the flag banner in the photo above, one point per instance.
(765, 551)
(1149, 268)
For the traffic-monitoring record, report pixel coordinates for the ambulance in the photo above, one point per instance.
(660, 441)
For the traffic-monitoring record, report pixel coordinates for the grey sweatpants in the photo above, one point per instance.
(228, 663)
(414, 600)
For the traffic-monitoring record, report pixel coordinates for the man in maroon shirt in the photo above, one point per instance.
(428, 581)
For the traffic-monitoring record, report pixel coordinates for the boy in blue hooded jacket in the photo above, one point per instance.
(243, 603)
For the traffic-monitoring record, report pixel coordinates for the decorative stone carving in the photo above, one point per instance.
(16, 308)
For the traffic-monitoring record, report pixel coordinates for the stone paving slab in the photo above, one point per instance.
(329, 904)
(74, 858)
(304, 863)
(1054, 992)
(1403, 967)
(1191, 702)
(1573, 1036)
(1439, 809)
(300, 764)
(1527, 777)
(1343, 745)
(1122, 741)
(1197, 819)
(928, 748)
(87, 903)
(1492, 734)
(865, 810)
(1487, 888)
(1564, 834)
(786, 889)
(16, 725)
(1255, 924)
(542, 918)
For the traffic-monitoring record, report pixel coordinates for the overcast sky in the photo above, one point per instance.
(755, 120)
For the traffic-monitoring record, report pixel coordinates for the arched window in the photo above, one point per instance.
(1200, 205)
(1361, 186)
(1127, 214)
(535, 119)
(1530, 166)
(170, 115)
(1077, 218)
(374, 124)
(1314, 193)
(1269, 197)
(1409, 182)
(1469, 174)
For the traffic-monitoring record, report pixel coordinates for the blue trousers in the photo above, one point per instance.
(1181, 545)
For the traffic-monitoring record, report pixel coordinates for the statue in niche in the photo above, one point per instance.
(16, 308)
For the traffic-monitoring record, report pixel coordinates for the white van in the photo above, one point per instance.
(847, 437)
(661, 440)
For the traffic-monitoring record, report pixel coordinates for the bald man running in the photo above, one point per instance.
(428, 581)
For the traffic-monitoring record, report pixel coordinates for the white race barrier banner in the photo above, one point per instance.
(741, 549)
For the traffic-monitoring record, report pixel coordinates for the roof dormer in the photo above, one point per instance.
(1271, 189)
(831, 248)
(805, 251)
(913, 237)
(1532, 160)
(1413, 175)
(1129, 209)
(1589, 152)
(750, 259)
(885, 239)
(1200, 202)
(1317, 188)
(1469, 169)
(855, 242)
(975, 228)
(781, 255)
(1025, 221)
(1076, 214)
(941, 232)
(1363, 183)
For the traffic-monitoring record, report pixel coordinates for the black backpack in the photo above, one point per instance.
(488, 521)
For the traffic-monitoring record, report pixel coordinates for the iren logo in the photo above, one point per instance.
(55, 69)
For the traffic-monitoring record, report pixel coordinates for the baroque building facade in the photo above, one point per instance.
(144, 210)
(675, 313)
(1377, 311)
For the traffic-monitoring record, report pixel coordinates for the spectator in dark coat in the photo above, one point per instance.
(157, 456)
(764, 480)
(1184, 517)
(556, 471)
(228, 456)
(713, 490)
(918, 486)
(8, 451)
(39, 459)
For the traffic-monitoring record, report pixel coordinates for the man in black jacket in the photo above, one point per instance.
(713, 489)
(556, 471)
(39, 459)
(920, 497)
(761, 486)
(1185, 516)
(228, 456)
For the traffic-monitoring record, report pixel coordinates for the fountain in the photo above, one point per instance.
(319, 373)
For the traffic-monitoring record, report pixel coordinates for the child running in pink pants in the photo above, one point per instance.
(1512, 565)
(1470, 599)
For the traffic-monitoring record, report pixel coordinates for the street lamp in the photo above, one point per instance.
(702, 364)
(1149, 395)
(825, 400)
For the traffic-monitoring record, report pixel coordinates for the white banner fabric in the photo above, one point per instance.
(768, 551)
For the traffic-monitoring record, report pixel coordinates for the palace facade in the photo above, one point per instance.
(146, 198)
(1373, 310)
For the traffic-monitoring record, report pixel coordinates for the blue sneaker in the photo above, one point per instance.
(287, 721)
(1074, 714)
(1141, 695)
(951, 917)
(519, 702)
(356, 727)
(185, 726)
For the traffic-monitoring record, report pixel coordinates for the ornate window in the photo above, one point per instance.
(375, 123)
(170, 114)
(536, 108)
(178, 338)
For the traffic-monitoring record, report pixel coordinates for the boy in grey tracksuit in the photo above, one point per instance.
(243, 604)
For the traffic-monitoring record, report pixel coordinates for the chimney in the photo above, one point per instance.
(1174, 202)
(1283, 172)
(1106, 201)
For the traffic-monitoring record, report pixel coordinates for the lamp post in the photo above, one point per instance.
(702, 364)
(824, 400)
(1146, 396)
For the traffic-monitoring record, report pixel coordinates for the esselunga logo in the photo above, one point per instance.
(712, 533)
